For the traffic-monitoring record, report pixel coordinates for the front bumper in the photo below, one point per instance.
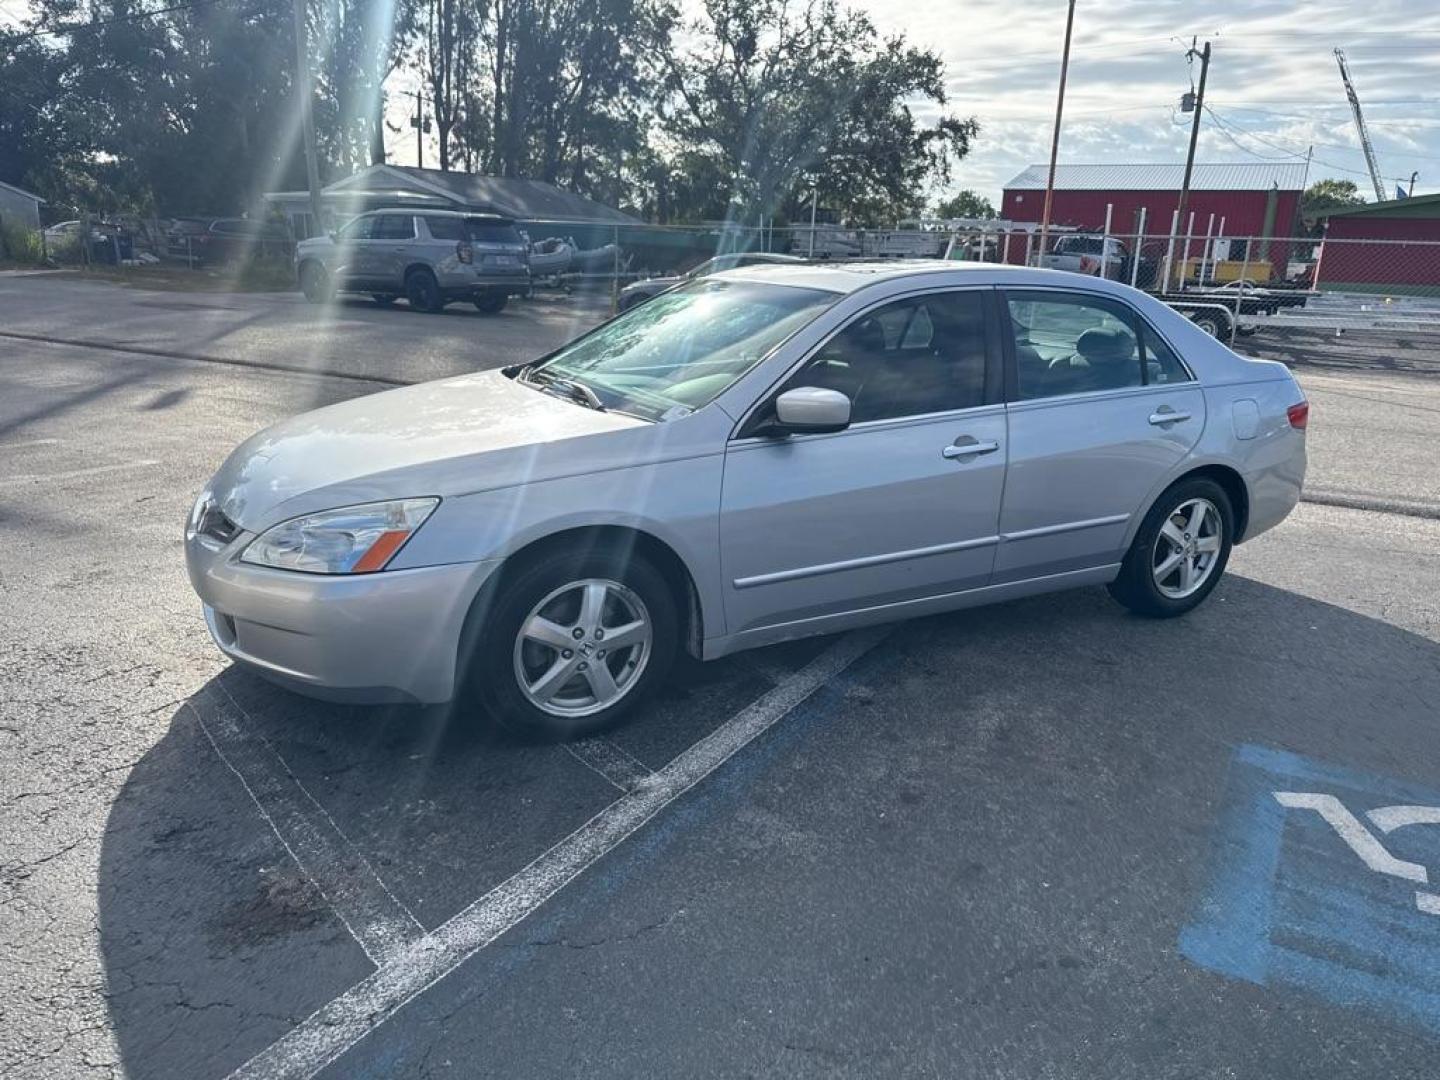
(392, 636)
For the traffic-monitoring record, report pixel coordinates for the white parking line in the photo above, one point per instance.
(380, 923)
(610, 761)
(327, 1033)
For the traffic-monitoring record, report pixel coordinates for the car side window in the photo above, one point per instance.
(924, 354)
(446, 228)
(394, 227)
(1161, 363)
(1066, 344)
(359, 229)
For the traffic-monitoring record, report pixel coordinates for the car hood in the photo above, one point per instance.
(448, 437)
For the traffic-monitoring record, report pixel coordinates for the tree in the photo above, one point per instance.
(1328, 195)
(965, 204)
(570, 84)
(193, 111)
(356, 45)
(774, 102)
(452, 31)
(43, 138)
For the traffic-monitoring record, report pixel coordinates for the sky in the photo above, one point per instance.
(1274, 88)
(1274, 85)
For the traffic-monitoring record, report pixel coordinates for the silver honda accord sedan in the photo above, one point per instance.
(760, 455)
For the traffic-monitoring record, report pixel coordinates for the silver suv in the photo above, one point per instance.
(430, 258)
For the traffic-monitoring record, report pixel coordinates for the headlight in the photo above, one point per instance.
(351, 540)
(197, 514)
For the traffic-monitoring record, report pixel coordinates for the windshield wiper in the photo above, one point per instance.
(570, 389)
(578, 391)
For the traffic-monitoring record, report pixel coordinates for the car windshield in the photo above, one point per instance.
(686, 346)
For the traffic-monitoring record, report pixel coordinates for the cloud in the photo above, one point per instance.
(1273, 83)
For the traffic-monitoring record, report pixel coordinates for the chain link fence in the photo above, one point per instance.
(1233, 285)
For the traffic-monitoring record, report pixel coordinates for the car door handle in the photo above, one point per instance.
(966, 446)
(1167, 415)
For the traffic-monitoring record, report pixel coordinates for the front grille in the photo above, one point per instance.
(214, 525)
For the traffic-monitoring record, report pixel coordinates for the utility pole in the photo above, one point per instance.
(1204, 55)
(1055, 138)
(307, 117)
(421, 123)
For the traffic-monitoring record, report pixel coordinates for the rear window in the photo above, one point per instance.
(446, 228)
(493, 232)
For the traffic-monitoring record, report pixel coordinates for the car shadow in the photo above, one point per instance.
(214, 944)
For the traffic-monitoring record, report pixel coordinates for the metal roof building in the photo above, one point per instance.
(20, 205)
(1257, 199)
(1250, 176)
(1391, 246)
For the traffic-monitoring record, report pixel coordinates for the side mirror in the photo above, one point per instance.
(811, 410)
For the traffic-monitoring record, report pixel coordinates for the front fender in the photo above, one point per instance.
(675, 502)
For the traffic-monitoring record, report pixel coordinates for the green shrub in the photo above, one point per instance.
(19, 244)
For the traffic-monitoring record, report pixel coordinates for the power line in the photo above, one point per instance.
(1290, 151)
(1241, 147)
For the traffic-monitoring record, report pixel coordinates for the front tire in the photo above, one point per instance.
(574, 641)
(1179, 552)
(423, 291)
(315, 283)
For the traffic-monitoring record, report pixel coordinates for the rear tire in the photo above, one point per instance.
(546, 663)
(491, 303)
(1211, 324)
(422, 291)
(1176, 559)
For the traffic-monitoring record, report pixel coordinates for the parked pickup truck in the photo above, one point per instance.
(1083, 254)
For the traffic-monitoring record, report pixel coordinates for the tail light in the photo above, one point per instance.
(464, 252)
(1299, 415)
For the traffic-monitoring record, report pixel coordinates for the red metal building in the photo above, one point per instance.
(1259, 199)
(1393, 246)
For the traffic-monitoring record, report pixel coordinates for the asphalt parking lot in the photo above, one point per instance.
(1033, 840)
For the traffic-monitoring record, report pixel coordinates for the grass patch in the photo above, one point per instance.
(19, 245)
(259, 275)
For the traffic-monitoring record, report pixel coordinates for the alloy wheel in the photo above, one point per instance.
(582, 648)
(1187, 548)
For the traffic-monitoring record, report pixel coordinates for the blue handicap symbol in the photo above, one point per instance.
(1328, 881)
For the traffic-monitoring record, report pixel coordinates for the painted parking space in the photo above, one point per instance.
(971, 854)
(1324, 882)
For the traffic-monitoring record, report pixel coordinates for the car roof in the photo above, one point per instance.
(424, 211)
(849, 277)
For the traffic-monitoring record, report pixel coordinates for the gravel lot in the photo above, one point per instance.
(970, 845)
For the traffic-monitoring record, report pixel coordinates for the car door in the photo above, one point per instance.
(904, 502)
(351, 252)
(1101, 411)
(388, 251)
